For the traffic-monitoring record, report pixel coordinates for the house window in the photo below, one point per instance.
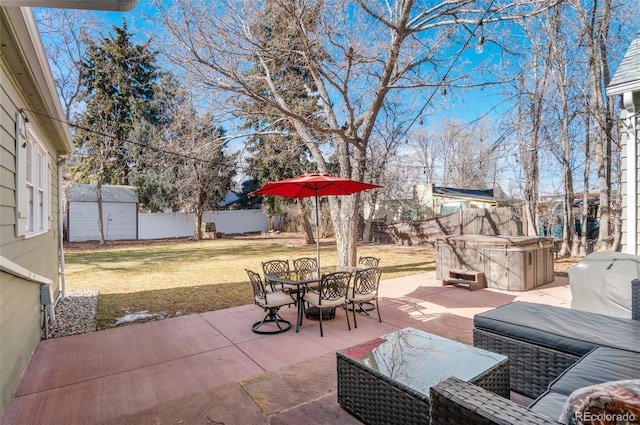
(451, 207)
(34, 188)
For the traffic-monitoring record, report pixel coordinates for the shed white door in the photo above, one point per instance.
(120, 221)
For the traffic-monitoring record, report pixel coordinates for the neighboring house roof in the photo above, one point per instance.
(627, 78)
(481, 194)
(110, 193)
(229, 199)
(24, 54)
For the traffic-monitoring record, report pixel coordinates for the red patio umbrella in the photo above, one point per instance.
(314, 185)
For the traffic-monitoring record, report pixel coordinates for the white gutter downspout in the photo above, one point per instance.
(62, 292)
(632, 173)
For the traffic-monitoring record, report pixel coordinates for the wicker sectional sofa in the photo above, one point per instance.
(552, 352)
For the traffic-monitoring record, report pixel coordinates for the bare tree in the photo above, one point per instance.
(559, 48)
(97, 157)
(381, 151)
(424, 148)
(461, 152)
(183, 161)
(595, 19)
(532, 103)
(63, 33)
(354, 52)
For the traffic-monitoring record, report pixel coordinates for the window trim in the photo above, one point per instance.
(33, 174)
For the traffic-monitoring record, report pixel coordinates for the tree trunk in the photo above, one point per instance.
(617, 223)
(100, 214)
(558, 64)
(270, 222)
(595, 34)
(304, 221)
(584, 212)
(366, 232)
(531, 188)
(346, 227)
(366, 235)
(530, 140)
(570, 240)
(99, 181)
(197, 231)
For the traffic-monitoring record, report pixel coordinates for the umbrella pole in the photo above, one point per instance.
(317, 232)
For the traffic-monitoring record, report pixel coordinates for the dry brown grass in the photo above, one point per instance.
(562, 265)
(181, 276)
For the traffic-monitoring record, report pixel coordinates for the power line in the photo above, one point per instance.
(446, 74)
(121, 141)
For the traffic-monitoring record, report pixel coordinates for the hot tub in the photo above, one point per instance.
(512, 263)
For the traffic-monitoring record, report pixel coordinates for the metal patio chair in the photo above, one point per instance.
(368, 262)
(271, 302)
(277, 267)
(307, 268)
(331, 293)
(364, 290)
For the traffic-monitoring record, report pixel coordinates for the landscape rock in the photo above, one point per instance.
(75, 313)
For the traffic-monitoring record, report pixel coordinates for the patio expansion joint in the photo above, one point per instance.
(236, 345)
(310, 401)
(249, 356)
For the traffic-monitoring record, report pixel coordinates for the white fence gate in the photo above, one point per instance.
(180, 225)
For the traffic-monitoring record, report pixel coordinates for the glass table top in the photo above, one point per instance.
(420, 360)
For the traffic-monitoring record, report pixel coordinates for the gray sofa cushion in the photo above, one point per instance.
(549, 404)
(563, 329)
(603, 364)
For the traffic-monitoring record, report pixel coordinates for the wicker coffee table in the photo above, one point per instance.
(387, 380)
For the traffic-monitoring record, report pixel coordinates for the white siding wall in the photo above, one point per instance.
(119, 221)
(20, 311)
(633, 247)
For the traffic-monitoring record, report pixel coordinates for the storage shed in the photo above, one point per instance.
(119, 212)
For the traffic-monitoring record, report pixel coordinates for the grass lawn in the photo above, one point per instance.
(185, 277)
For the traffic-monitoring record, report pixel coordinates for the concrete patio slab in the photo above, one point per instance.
(211, 368)
(226, 404)
(233, 321)
(78, 358)
(97, 399)
(455, 327)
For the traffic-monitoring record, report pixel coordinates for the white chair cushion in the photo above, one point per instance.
(362, 297)
(276, 299)
(313, 299)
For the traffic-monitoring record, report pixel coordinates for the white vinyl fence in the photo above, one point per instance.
(180, 225)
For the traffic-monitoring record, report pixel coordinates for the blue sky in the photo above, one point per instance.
(464, 106)
(481, 101)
